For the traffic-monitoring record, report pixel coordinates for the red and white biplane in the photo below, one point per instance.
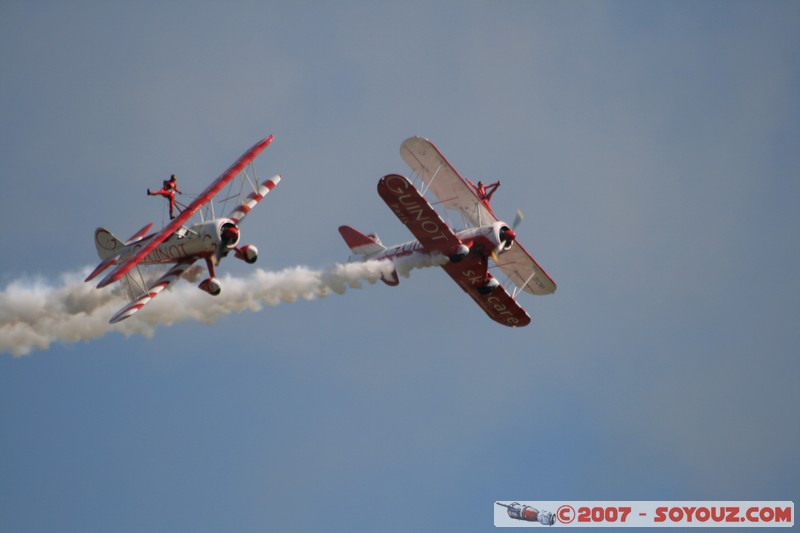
(465, 252)
(180, 245)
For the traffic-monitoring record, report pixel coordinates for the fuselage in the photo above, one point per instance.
(484, 239)
(206, 239)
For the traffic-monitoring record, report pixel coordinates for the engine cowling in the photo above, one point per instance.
(507, 237)
(247, 253)
(228, 236)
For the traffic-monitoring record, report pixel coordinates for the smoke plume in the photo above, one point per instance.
(34, 314)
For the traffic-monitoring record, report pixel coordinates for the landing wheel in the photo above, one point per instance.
(211, 286)
(489, 286)
(459, 253)
(486, 290)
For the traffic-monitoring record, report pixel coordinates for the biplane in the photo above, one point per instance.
(178, 245)
(465, 252)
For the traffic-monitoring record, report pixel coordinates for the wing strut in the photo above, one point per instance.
(416, 213)
(430, 182)
(162, 283)
(517, 290)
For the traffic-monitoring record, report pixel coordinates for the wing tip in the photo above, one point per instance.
(263, 143)
(122, 315)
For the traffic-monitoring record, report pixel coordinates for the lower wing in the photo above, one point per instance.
(471, 275)
(159, 285)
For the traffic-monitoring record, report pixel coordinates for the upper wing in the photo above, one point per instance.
(525, 272)
(452, 191)
(470, 274)
(162, 283)
(187, 213)
(416, 213)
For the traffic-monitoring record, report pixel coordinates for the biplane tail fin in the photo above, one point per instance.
(360, 244)
(110, 247)
(107, 244)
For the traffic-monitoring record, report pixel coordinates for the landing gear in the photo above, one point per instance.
(247, 253)
(488, 287)
(459, 254)
(211, 285)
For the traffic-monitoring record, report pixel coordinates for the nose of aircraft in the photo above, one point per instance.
(509, 235)
(231, 233)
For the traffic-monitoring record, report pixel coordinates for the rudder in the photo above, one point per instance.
(106, 243)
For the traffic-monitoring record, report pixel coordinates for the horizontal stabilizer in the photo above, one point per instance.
(102, 267)
(139, 234)
(359, 243)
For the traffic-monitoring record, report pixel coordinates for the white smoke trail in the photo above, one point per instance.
(34, 314)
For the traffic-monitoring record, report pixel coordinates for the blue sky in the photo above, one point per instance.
(652, 147)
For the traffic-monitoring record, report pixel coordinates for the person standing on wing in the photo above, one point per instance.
(168, 191)
(485, 192)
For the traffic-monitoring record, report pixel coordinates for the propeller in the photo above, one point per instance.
(517, 219)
